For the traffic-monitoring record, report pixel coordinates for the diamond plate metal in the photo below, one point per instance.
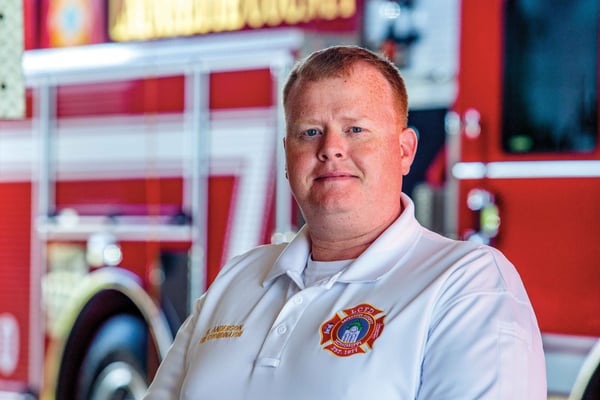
(12, 86)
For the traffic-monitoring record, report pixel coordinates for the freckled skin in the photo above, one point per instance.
(346, 153)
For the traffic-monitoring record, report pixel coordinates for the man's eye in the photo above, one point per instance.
(311, 132)
(356, 129)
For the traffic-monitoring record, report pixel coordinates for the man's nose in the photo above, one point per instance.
(333, 146)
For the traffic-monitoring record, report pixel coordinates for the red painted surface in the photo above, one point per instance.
(221, 198)
(237, 89)
(122, 97)
(549, 226)
(241, 89)
(15, 234)
(548, 232)
(151, 196)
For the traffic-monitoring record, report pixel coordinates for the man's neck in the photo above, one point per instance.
(339, 244)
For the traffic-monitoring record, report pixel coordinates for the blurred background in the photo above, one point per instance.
(140, 148)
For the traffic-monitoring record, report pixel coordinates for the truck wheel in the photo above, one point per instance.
(114, 367)
(587, 385)
(592, 390)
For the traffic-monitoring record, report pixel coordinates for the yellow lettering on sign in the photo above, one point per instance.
(312, 11)
(236, 22)
(270, 10)
(200, 17)
(347, 8)
(147, 19)
(250, 13)
(129, 21)
(292, 11)
(160, 17)
(183, 18)
(227, 16)
(328, 9)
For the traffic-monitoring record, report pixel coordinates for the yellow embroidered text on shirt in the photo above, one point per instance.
(223, 332)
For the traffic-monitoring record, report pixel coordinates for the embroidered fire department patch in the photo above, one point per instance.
(353, 331)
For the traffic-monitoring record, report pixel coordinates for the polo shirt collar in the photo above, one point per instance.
(292, 259)
(387, 251)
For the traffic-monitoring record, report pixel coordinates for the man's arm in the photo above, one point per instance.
(484, 341)
(171, 373)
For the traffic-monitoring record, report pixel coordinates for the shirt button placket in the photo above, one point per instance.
(275, 341)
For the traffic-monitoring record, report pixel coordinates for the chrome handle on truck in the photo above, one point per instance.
(472, 123)
(483, 203)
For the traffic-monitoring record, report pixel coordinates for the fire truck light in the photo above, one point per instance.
(390, 10)
(478, 198)
(103, 250)
(68, 218)
(112, 255)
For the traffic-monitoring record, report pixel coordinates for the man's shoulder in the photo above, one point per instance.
(477, 267)
(442, 243)
(458, 257)
(260, 258)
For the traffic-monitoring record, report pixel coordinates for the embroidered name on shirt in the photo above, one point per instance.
(353, 331)
(223, 332)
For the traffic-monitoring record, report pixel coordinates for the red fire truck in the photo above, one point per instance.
(522, 166)
(139, 168)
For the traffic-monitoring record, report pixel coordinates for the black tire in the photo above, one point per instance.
(592, 390)
(587, 384)
(114, 367)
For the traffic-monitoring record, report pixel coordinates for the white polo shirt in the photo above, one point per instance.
(416, 316)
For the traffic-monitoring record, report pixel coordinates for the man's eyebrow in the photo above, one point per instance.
(355, 119)
(307, 121)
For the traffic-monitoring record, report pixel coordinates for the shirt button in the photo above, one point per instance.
(298, 300)
(281, 329)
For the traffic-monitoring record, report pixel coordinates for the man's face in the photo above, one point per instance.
(347, 149)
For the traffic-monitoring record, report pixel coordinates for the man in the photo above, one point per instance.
(364, 303)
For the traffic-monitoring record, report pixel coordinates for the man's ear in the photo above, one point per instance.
(408, 147)
(285, 168)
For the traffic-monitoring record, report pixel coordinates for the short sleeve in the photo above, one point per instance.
(483, 341)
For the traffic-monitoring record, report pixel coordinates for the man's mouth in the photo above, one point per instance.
(334, 176)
